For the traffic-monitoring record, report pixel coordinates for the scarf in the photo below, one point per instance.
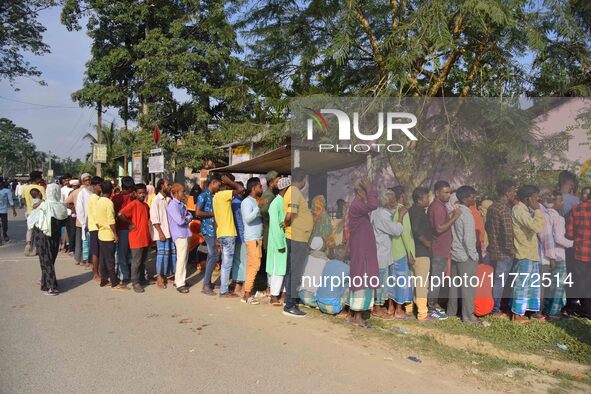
(52, 207)
(322, 223)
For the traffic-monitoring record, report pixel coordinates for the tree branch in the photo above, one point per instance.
(377, 53)
(473, 71)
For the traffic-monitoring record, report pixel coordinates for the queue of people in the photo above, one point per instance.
(397, 260)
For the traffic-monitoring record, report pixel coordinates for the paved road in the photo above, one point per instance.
(90, 339)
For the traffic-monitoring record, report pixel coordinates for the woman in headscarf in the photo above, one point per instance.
(46, 223)
(151, 193)
(364, 274)
(322, 224)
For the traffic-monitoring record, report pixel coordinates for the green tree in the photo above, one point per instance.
(402, 48)
(110, 138)
(17, 151)
(21, 32)
(143, 50)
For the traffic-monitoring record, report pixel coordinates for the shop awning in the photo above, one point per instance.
(280, 160)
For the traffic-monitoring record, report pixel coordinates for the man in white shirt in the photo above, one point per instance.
(18, 192)
(166, 252)
(65, 191)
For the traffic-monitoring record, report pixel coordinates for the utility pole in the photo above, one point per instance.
(99, 133)
(49, 171)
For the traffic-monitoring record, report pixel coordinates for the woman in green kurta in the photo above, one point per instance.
(276, 247)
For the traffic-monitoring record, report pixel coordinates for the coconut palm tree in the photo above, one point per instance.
(110, 138)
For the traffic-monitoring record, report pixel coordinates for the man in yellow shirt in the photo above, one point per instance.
(94, 252)
(298, 227)
(527, 223)
(104, 219)
(35, 177)
(225, 228)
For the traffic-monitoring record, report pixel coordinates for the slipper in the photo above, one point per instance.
(183, 289)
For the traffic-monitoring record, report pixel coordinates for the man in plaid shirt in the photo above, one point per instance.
(578, 229)
(501, 249)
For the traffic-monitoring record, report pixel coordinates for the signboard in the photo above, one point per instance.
(99, 153)
(136, 166)
(156, 151)
(156, 164)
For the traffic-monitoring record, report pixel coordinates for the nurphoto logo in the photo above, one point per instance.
(394, 122)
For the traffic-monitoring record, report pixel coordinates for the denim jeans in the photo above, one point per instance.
(123, 255)
(212, 257)
(502, 270)
(438, 268)
(239, 263)
(227, 244)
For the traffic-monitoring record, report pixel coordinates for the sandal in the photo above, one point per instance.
(183, 289)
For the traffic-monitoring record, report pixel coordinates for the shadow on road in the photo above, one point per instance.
(192, 276)
(72, 282)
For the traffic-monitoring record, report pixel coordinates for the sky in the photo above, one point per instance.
(59, 130)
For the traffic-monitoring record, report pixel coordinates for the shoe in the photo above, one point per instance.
(440, 309)
(51, 293)
(138, 288)
(473, 321)
(120, 287)
(438, 315)
(294, 312)
(208, 291)
(229, 295)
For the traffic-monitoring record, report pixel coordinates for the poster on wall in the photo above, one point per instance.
(137, 168)
(239, 155)
(99, 153)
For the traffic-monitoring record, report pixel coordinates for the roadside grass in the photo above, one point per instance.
(535, 338)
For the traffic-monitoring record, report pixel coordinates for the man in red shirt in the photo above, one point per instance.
(441, 243)
(578, 229)
(123, 254)
(136, 215)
